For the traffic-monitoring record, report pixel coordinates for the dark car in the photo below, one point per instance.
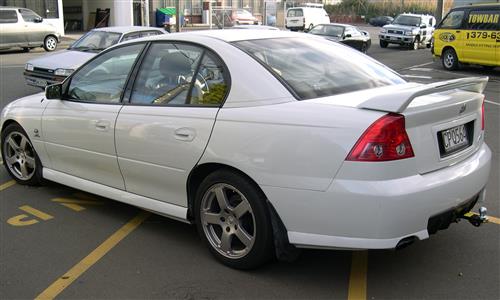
(346, 34)
(381, 20)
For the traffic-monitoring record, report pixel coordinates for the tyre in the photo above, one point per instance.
(383, 44)
(50, 43)
(364, 48)
(449, 59)
(233, 220)
(416, 44)
(19, 156)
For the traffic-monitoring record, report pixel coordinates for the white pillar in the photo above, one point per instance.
(123, 13)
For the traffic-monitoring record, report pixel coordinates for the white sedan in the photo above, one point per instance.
(266, 140)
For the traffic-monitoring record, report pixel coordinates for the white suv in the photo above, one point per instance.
(409, 30)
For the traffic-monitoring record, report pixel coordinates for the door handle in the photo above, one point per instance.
(185, 134)
(102, 125)
(457, 31)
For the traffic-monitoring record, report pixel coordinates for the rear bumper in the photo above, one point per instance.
(364, 214)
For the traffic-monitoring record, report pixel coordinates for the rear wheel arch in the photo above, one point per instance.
(200, 172)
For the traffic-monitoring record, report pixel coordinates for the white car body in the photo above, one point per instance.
(295, 151)
(300, 18)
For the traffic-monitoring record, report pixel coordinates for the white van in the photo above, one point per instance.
(300, 18)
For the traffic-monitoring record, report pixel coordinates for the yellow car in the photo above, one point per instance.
(470, 35)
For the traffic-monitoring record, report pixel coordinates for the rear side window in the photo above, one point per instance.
(8, 16)
(312, 68)
(295, 13)
(483, 20)
(453, 20)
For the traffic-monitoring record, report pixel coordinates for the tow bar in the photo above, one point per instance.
(476, 219)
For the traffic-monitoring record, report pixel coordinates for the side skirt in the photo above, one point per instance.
(166, 209)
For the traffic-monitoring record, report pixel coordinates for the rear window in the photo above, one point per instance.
(312, 68)
(295, 13)
(8, 16)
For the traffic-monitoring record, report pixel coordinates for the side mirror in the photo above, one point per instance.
(348, 35)
(38, 20)
(53, 91)
(306, 30)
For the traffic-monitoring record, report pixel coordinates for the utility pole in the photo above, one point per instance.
(439, 11)
(177, 16)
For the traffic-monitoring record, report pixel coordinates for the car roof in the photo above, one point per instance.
(236, 35)
(125, 29)
(479, 5)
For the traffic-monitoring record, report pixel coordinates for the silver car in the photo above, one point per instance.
(55, 67)
(21, 27)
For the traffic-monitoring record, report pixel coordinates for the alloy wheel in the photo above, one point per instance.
(51, 43)
(449, 60)
(228, 221)
(19, 155)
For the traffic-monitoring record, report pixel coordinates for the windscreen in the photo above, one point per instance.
(407, 20)
(314, 67)
(96, 41)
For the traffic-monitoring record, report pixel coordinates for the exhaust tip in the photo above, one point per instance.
(407, 241)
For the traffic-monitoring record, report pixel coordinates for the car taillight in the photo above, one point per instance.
(386, 139)
(482, 116)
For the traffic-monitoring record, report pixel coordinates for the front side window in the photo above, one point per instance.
(313, 68)
(8, 16)
(28, 15)
(103, 79)
(96, 41)
(179, 74)
(453, 20)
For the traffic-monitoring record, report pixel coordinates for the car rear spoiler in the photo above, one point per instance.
(398, 101)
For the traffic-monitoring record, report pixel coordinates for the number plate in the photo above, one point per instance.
(454, 138)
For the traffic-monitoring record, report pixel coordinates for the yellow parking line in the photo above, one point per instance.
(76, 271)
(357, 279)
(7, 185)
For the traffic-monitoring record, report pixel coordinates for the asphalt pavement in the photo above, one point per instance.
(57, 241)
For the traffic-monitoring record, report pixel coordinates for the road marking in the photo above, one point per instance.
(11, 66)
(357, 279)
(35, 212)
(7, 185)
(490, 218)
(416, 66)
(76, 271)
(75, 204)
(22, 220)
(417, 76)
(422, 69)
(492, 102)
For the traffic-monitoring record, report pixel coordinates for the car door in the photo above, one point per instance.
(163, 130)
(78, 130)
(12, 28)
(480, 35)
(352, 38)
(34, 31)
(450, 32)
